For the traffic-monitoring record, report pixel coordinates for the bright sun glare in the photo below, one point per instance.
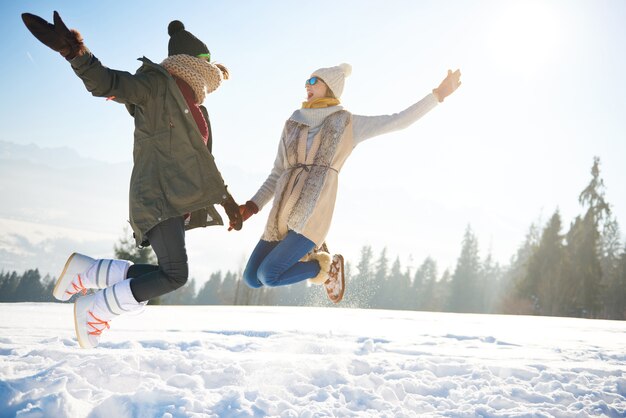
(525, 37)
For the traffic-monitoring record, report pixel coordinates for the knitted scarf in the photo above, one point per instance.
(202, 76)
(320, 102)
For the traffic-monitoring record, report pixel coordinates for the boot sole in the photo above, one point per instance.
(343, 284)
(80, 317)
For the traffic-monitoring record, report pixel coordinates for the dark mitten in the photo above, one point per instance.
(232, 210)
(246, 211)
(69, 43)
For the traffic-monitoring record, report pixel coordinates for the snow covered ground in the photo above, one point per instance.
(180, 361)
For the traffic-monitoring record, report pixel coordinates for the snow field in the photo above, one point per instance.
(183, 361)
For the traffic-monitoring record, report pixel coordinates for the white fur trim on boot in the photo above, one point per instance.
(92, 313)
(82, 273)
(324, 260)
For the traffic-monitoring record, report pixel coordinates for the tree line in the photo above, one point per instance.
(580, 272)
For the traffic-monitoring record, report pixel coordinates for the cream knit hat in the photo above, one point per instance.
(334, 77)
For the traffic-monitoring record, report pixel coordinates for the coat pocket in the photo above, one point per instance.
(184, 183)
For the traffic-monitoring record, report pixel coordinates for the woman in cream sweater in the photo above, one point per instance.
(316, 141)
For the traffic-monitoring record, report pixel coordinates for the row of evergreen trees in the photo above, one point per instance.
(581, 272)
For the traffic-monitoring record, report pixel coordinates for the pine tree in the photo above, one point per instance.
(396, 287)
(423, 288)
(584, 247)
(510, 299)
(184, 295)
(209, 292)
(490, 273)
(593, 195)
(362, 287)
(126, 249)
(464, 295)
(29, 287)
(379, 288)
(620, 293)
(544, 283)
(584, 272)
(228, 289)
(610, 261)
(443, 293)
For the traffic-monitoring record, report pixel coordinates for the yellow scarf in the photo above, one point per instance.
(321, 102)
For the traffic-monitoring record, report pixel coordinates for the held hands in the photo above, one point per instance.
(448, 85)
(246, 211)
(232, 210)
(69, 43)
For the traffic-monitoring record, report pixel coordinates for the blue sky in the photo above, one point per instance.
(543, 92)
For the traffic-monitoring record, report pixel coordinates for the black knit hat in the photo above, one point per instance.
(183, 42)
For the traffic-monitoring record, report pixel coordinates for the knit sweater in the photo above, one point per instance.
(363, 127)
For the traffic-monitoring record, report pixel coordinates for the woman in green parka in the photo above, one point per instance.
(174, 183)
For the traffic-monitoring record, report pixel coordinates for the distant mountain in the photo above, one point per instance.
(59, 187)
(60, 157)
(55, 201)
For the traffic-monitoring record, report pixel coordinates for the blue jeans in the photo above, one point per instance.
(276, 263)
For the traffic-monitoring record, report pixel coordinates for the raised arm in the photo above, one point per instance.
(99, 80)
(365, 127)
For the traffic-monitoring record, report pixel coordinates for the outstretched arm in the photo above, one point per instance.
(99, 80)
(68, 43)
(365, 127)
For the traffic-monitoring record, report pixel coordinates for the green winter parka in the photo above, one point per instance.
(174, 173)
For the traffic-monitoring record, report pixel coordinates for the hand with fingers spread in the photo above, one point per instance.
(448, 85)
(69, 43)
(247, 210)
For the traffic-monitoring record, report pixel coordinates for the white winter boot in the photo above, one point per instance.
(82, 272)
(92, 313)
(331, 274)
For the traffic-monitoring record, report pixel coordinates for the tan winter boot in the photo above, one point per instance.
(82, 272)
(92, 313)
(331, 275)
(336, 283)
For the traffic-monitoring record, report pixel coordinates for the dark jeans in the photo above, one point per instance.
(276, 263)
(148, 281)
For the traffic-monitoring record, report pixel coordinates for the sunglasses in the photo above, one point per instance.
(311, 81)
(204, 56)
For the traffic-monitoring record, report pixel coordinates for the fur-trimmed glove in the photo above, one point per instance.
(232, 210)
(247, 210)
(69, 43)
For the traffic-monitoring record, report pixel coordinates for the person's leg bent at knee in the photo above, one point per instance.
(282, 266)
